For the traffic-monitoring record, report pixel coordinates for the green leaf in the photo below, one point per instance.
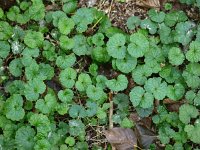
(94, 93)
(33, 39)
(93, 69)
(31, 52)
(115, 46)
(127, 64)
(65, 25)
(1, 13)
(70, 141)
(77, 111)
(101, 81)
(98, 39)
(100, 54)
(139, 97)
(139, 45)
(66, 61)
(156, 16)
(13, 107)
(118, 84)
(39, 120)
(66, 43)
(56, 15)
(193, 132)
(165, 33)
(126, 123)
(25, 137)
(187, 112)
(91, 109)
(193, 54)
(4, 49)
(47, 105)
(156, 87)
(66, 95)
(133, 22)
(176, 92)
(80, 45)
(42, 144)
(6, 31)
(176, 57)
(15, 67)
(184, 32)
(83, 82)
(33, 88)
(69, 7)
(148, 24)
(37, 10)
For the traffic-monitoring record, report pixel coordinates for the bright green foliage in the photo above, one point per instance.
(127, 123)
(69, 6)
(15, 67)
(168, 6)
(66, 61)
(33, 88)
(118, 84)
(174, 17)
(193, 54)
(156, 87)
(101, 81)
(56, 15)
(165, 34)
(94, 93)
(193, 132)
(184, 32)
(100, 54)
(139, 45)
(115, 46)
(77, 111)
(148, 24)
(6, 30)
(82, 24)
(139, 97)
(66, 95)
(13, 107)
(66, 43)
(187, 112)
(133, 22)
(98, 39)
(93, 69)
(65, 25)
(156, 16)
(70, 141)
(37, 10)
(127, 64)
(175, 92)
(46, 105)
(83, 82)
(175, 56)
(33, 39)
(25, 137)
(1, 13)
(80, 45)
(193, 98)
(67, 77)
(4, 49)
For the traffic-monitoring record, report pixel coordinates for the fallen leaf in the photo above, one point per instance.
(145, 136)
(149, 3)
(121, 138)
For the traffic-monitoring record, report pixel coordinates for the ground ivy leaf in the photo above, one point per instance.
(176, 57)
(94, 93)
(33, 39)
(193, 55)
(83, 82)
(66, 95)
(65, 25)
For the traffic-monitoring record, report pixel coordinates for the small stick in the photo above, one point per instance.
(110, 95)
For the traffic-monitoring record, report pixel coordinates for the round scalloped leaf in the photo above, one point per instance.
(77, 111)
(156, 16)
(69, 6)
(139, 45)
(193, 55)
(94, 93)
(6, 30)
(156, 87)
(186, 112)
(176, 57)
(176, 92)
(80, 45)
(4, 49)
(56, 15)
(98, 39)
(67, 77)
(83, 82)
(33, 39)
(139, 97)
(118, 84)
(66, 61)
(193, 132)
(66, 95)
(65, 25)
(115, 46)
(66, 43)
(33, 88)
(148, 24)
(127, 64)
(100, 54)
(15, 67)
(25, 137)
(13, 108)
(133, 22)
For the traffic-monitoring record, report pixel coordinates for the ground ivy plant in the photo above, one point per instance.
(58, 70)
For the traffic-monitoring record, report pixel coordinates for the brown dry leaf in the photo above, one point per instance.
(149, 3)
(121, 138)
(51, 7)
(145, 136)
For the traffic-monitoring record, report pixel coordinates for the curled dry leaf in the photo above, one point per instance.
(145, 136)
(121, 138)
(149, 3)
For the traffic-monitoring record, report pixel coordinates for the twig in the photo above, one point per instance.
(96, 23)
(110, 110)
(110, 8)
